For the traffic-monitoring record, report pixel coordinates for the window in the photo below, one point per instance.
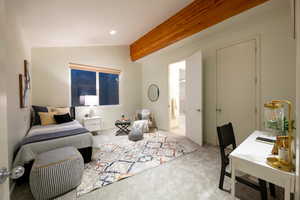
(86, 80)
(108, 89)
(82, 83)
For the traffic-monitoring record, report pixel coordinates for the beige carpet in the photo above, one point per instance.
(194, 176)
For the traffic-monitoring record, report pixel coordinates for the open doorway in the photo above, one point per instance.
(177, 97)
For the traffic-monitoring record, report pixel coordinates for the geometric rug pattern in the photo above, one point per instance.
(115, 161)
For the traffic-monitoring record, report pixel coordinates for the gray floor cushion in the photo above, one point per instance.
(56, 172)
(135, 135)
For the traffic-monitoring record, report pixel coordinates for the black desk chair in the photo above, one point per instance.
(226, 138)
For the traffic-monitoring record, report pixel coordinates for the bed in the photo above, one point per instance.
(45, 138)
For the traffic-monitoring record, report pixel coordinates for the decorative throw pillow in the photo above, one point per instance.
(60, 119)
(145, 114)
(37, 109)
(47, 118)
(139, 116)
(61, 111)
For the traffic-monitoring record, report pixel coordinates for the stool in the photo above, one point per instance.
(56, 172)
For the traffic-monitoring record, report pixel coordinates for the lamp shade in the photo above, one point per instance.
(90, 100)
(81, 100)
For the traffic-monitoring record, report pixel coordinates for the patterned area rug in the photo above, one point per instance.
(115, 161)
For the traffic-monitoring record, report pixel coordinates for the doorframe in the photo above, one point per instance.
(257, 78)
(169, 105)
(4, 161)
(297, 33)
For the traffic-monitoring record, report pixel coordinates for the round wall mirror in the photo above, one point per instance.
(153, 92)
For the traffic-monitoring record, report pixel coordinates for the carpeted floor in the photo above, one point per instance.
(119, 159)
(192, 176)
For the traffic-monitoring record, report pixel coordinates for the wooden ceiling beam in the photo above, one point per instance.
(197, 16)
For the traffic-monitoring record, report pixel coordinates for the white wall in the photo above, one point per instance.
(277, 60)
(17, 51)
(298, 100)
(51, 78)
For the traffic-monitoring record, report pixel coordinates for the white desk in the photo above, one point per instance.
(250, 157)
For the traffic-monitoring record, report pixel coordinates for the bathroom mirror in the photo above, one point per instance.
(153, 92)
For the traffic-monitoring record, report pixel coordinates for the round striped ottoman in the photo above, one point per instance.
(56, 172)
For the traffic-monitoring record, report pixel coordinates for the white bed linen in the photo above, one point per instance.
(29, 151)
(39, 129)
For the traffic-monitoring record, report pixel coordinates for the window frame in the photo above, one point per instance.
(98, 70)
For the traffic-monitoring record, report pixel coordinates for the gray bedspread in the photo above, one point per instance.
(45, 138)
(51, 136)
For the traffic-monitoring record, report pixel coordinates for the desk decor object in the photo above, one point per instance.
(275, 122)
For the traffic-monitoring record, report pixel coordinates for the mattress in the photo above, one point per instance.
(45, 138)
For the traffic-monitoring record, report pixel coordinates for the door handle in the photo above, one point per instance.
(219, 110)
(199, 110)
(15, 173)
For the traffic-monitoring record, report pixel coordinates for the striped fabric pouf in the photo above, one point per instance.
(56, 172)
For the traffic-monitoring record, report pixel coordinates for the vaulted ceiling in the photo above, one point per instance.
(88, 22)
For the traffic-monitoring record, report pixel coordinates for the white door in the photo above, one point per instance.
(194, 98)
(236, 94)
(4, 189)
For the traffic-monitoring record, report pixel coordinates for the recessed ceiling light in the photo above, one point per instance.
(112, 32)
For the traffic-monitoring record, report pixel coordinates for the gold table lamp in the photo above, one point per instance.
(274, 114)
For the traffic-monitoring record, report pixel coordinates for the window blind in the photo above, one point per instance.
(94, 68)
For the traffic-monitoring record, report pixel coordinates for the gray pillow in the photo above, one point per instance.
(139, 116)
